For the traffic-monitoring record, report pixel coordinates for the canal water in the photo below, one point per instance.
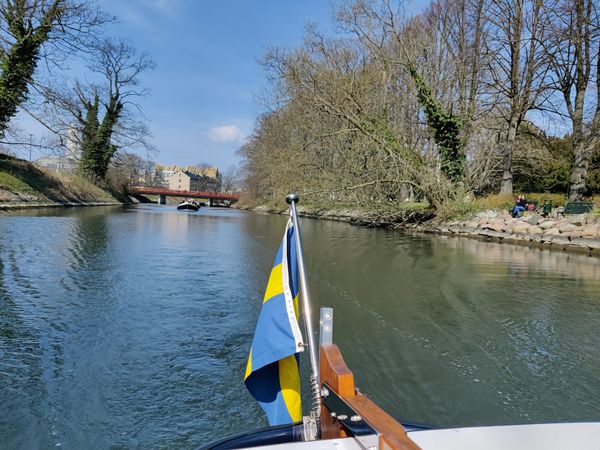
(130, 327)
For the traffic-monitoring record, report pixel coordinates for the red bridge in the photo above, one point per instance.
(162, 194)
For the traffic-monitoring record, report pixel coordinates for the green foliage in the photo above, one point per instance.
(89, 151)
(593, 181)
(96, 146)
(551, 175)
(19, 62)
(549, 171)
(446, 127)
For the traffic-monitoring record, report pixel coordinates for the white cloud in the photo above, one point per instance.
(226, 133)
(148, 15)
(170, 7)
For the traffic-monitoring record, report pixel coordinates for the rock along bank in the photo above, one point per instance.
(580, 233)
(577, 233)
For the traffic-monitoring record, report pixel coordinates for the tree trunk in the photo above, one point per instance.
(577, 180)
(581, 146)
(507, 158)
(583, 142)
(406, 193)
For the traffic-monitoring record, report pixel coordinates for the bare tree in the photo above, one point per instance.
(231, 180)
(106, 113)
(131, 169)
(574, 52)
(418, 53)
(518, 68)
(356, 112)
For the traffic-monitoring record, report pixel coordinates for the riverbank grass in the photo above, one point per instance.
(22, 182)
(463, 209)
(505, 201)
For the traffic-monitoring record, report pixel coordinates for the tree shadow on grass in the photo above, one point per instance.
(40, 182)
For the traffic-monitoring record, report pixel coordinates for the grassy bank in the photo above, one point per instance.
(22, 184)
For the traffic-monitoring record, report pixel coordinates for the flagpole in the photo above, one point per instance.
(291, 200)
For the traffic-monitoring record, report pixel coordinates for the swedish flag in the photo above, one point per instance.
(272, 374)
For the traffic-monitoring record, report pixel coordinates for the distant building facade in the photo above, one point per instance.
(190, 178)
(68, 160)
(185, 181)
(58, 164)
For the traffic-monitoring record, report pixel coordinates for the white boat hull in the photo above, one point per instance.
(561, 436)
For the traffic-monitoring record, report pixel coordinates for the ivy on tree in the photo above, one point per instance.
(446, 127)
(97, 149)
(19, 61)
(106, 123)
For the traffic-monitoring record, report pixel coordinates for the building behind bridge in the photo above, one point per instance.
(189, 178)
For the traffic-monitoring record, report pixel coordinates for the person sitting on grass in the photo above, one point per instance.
(520, 206)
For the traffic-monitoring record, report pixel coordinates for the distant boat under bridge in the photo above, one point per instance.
(213, 198)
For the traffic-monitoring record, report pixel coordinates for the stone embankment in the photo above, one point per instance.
(579, 233)
(36, 205)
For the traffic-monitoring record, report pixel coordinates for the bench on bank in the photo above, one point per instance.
(577, 207)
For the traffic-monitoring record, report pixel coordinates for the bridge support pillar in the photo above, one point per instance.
(162, 199)
(210, 202)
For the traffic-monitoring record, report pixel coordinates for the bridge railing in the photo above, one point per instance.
(176, 193)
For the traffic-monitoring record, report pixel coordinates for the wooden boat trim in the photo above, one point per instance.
(334, 372)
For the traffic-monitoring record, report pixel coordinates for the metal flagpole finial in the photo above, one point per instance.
(292, 198)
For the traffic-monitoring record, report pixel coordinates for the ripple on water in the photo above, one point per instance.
(131, 329)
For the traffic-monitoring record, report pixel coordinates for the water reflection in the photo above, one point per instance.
(459, 332)
(21, 358)
(525, 260)
(130, 327)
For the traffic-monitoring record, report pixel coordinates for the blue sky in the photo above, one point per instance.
(203, 91)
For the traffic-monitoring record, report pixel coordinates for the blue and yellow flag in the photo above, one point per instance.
(272, 374)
